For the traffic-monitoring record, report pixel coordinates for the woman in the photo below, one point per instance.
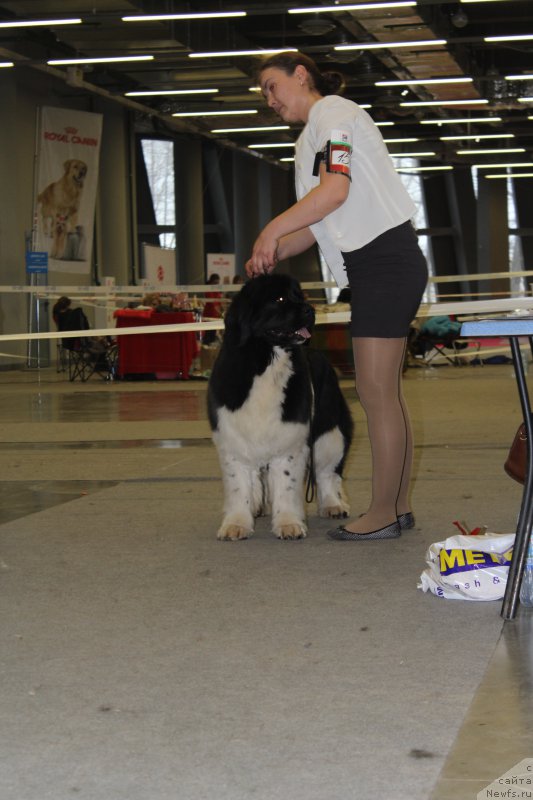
(353, 204)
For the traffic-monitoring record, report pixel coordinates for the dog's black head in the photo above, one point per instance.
(271, 308)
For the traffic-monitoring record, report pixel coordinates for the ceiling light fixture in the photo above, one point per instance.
(217, 54)
(166, 92)
(518, 38)
(34, 23)
(252, 130)
(400, 141)
(412, 155)
(525, 99)
(463, 121)
(352, 7)
(490, 152)
(503, 166)
(287, 159)
(512, 175)
(6, 64)
(526, 77)
(477, 136)
(423, 81)
(422, 169)
(445, 103)
(177, 17)
(384, 124)
(390, 45)
(213, 113)
(108, 60)
(272, 145)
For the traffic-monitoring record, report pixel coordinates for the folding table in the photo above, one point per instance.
(513, 327)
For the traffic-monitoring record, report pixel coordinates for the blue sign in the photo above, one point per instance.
(37, 262)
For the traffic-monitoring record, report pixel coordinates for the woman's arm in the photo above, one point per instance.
(317, 204)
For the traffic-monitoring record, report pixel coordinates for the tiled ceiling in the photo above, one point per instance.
(463, 26)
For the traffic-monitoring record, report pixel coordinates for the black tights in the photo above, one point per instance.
(378, 370)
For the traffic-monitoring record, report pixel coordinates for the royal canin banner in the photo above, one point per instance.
(66, 184)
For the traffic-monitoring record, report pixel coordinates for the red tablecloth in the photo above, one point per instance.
(155, 353)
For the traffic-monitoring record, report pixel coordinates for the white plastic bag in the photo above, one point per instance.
(469, 567)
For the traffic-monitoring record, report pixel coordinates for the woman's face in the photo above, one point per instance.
(285, 94)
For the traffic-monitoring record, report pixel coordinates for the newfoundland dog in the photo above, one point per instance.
(276, 412)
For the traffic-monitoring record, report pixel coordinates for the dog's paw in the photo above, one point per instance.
(334, 511)
(233, 533)
(292, 530)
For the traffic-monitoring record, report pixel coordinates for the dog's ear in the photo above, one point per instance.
(238, 321)
(66, 165)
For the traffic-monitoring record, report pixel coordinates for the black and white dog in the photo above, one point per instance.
(276, 411)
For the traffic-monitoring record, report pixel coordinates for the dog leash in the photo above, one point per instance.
(311, 479)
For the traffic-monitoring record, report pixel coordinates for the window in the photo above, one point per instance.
(158, 156)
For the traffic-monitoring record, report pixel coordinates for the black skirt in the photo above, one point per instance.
(387, 279)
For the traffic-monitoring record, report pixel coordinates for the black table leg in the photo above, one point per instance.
(525, 520)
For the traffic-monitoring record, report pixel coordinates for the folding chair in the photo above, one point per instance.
(85, 355)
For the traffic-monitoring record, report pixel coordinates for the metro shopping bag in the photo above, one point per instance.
(468, 567)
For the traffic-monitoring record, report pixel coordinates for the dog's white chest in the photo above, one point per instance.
(256, 430)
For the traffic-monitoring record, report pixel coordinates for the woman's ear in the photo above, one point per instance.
(301, 73)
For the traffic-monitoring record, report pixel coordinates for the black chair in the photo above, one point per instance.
(85, 356)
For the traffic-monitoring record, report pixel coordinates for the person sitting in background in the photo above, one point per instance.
(212, 309)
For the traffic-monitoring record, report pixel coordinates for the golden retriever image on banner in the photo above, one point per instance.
(60, 203)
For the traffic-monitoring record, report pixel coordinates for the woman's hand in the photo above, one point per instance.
(264, 253)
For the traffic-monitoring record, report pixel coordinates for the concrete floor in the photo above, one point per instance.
(142, 659)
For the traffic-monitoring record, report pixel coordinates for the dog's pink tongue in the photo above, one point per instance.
(304, 333)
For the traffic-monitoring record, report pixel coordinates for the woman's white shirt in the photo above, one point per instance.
(377, 200)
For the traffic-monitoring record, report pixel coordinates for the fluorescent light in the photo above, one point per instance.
(477, 136)
(526, 77)
(166, 92)
(464, 121)
(399, 141)
(421, 169)
(287, 159)
(525, 99)
(384, 124)
(530, 118)
(412, 155)
(390, 45)
(423, 81)
(490, 152)
(108, 60)
(162, 17)
(356, 7)
(445, 103)
(364, 105)
(254, 89)
(252, 130)
(34, 23)
(273, 145)
(503, 166)
(217, 54)
(213, 113)
(519, 38)
(512, 175)
(6, 64)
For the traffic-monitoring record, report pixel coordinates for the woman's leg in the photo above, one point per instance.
(378, 369)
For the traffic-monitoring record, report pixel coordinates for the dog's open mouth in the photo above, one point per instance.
(297, 337)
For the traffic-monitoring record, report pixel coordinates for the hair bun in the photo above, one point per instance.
(331, 83)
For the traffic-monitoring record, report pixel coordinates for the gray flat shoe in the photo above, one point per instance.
(406, 520)
(340, 534)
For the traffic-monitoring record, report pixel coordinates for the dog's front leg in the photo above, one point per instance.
(286, 479)
(240, 485)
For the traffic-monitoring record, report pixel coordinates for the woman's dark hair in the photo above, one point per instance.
(324, 82)
(60, 307)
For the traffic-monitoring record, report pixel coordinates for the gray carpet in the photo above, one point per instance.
(144, 660)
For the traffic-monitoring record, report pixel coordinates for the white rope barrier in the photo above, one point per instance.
(516, 304)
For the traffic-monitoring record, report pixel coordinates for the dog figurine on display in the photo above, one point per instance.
(277, 413)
